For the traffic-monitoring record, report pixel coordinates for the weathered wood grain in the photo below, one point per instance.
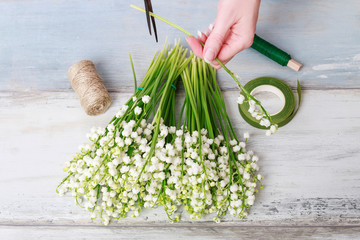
(177, 233)
(311, 165)
(312, 174)
(41, 39)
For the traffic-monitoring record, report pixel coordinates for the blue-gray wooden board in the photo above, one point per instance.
(311, 166)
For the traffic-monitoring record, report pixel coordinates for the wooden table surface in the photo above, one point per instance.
(311, 166)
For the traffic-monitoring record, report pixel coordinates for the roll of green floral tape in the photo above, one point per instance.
(280, 89)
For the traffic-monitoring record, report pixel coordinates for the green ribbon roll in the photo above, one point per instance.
(280, 89)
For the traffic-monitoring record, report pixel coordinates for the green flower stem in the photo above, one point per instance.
(181, 115)
(133, 70)
(162, 19)
(62, 182)
(221, 102)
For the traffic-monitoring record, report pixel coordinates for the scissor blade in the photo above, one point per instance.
(153, 20)
(147, 3)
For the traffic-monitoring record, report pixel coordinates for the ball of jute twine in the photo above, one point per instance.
(89, 87)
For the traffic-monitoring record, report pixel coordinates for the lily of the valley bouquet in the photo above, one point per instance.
(147, 157)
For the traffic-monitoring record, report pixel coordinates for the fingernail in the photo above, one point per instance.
(209, 55)
(199, 34)
(211, 27)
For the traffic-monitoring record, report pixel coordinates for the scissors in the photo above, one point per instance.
(148, 8)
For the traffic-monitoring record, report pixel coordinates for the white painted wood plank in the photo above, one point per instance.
(311, 165)
(41, 39)
(176, 233)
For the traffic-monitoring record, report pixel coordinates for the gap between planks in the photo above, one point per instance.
(179, 225)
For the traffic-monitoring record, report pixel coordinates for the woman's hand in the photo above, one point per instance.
(232, 32)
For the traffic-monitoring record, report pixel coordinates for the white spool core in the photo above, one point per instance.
(271, 89)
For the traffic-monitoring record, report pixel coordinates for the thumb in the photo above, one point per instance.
(215, 41)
